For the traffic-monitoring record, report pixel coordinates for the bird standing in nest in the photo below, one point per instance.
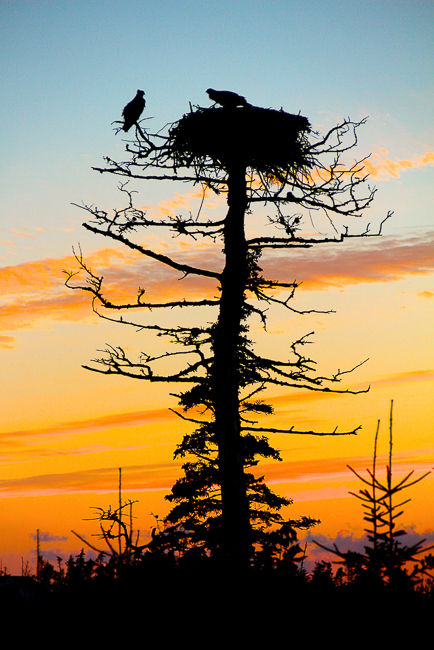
(133, 110)
(226, 98)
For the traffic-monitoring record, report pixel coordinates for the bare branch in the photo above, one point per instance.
(335, 432)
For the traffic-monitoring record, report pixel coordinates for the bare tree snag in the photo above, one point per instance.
(251, 155)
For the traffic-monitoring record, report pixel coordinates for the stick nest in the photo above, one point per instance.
(268, 141)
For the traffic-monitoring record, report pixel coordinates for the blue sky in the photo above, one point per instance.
(70, 67)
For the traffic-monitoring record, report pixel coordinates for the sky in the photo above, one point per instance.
(68, 69)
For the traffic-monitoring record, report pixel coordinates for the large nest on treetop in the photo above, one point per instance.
(268, 141)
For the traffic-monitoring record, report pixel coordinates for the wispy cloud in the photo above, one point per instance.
(161, 476)
(7, 342)
(294, 398)
(95, 424)
(335, 469)
(140, 478)
(426, 294)
(323, 494)
(31, 445)
(35, 291)
(410, 376)
(48, 537)
(381, 167)
(191, 201)
(384, 260)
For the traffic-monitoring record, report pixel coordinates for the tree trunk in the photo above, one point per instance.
(235, 541)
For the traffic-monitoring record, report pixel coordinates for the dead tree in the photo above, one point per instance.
(253, 156)
(116, 529)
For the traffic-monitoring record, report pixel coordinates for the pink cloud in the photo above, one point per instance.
(382, 260)
(35, 291)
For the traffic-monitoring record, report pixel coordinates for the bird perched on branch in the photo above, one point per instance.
(133, 110)
(226, 98)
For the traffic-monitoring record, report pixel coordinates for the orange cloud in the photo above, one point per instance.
(100, 423)
(299, 397)
(7, 342)
(336, 469)
(33, 276)
(406, 377)
(379, 166)
(323, 494)
(426, 294)
(161, 476)
(27, 313)
(191, 201)
(35, 291)
(140, 478)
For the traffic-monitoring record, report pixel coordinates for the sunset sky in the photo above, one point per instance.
(67, 70)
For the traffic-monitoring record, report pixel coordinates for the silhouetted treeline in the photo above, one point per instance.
(79, 573)
(189, 572)
(163, 594)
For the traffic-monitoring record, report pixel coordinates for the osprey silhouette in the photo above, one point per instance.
(226, 98)
(133, 110)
